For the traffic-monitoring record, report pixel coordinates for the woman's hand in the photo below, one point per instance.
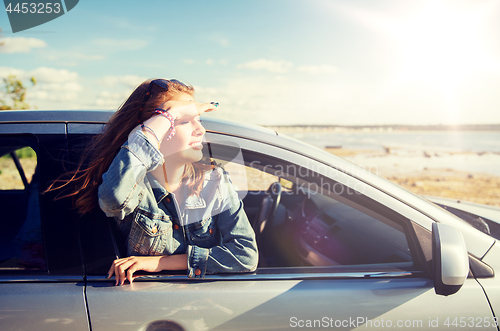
(181, 109)
(124, 268)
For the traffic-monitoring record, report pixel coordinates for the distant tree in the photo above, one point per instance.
(13, 95)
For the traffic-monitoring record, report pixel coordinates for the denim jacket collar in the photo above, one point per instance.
(158, 190)
(192, 202)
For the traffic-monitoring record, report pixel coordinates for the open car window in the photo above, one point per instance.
(320, 225)
(21, 243)
(319, 222)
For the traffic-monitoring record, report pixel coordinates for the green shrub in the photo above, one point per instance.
(25, 152)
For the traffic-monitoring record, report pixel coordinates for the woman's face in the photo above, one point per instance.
(186, 145)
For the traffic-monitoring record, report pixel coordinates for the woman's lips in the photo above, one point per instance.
(196, 145)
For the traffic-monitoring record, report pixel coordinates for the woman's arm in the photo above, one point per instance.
(237, 251)
(125, 268)
(123, 183)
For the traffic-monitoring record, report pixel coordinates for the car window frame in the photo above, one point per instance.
(59, 230)
(419, 259)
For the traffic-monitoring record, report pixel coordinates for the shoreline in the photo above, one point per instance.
(446, 176)
(384, 128)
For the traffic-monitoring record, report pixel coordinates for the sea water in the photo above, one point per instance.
(409, 151)
(450, 141)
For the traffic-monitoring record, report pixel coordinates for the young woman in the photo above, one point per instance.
(176, 212)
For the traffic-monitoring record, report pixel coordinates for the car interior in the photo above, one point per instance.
(302, 224)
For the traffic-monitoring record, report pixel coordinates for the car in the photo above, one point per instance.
(339, 247)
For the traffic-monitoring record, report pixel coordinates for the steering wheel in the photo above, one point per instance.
(268, 208)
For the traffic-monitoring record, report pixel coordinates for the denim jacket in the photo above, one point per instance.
(211, 228)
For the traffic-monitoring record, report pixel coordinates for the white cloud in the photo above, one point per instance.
(7, 71)
(121, 45)
(51, 75)
(61, 55)
(70, 58)
(54, 85)
(129, 24)
(322, 69)
(123, 81)
(285, 66)
(88, 56)
(110, 100)
(115, 90)
(271, 101)
(20, 44)
(268, 65)
(220, 40)
(205, 91)
(54, 88)
(43, 75)
(207, 62)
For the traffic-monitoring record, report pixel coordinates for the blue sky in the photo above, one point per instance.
(273, 62)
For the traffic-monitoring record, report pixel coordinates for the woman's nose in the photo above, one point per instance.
(199, 129)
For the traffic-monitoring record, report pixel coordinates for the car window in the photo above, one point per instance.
(319, 222)
(247, 178)
(21, 244)
(11, 178)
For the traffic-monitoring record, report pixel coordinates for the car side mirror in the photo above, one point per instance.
(450, 259)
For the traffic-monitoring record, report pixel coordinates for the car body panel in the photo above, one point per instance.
(273, 305)
(491, 285)
(42, 305)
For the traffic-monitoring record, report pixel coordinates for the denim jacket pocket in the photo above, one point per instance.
(149, 234)
(204, 233)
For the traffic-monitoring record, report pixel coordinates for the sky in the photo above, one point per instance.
(273, 62)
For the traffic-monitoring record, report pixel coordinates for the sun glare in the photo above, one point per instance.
(435, 46)
(442, 45)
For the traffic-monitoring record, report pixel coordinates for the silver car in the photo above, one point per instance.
(340, 248)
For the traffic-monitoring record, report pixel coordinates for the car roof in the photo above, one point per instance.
(102, 116)
(211, 124)
(55, 116)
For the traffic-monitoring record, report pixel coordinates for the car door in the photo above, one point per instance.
(340, 253)
(41, 275)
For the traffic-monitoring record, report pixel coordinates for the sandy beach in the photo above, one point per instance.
(9, 176)
(462, 176)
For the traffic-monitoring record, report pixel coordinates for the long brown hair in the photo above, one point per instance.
(85, 180)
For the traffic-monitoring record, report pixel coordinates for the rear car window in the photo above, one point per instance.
(21, 242)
